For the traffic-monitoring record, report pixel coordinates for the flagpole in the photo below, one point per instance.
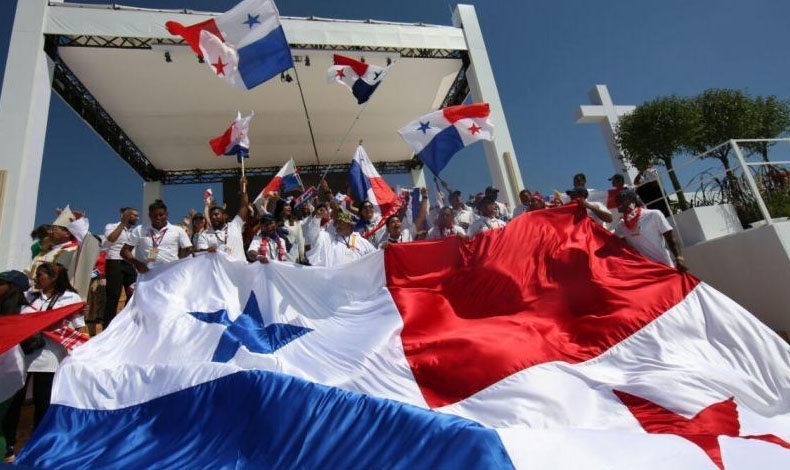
(307, 114)
(348, 132)
(242, 165)
(343, 140)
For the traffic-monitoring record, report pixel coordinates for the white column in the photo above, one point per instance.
(152, 190)
(483, 88)
(418, 178)
(24, 109)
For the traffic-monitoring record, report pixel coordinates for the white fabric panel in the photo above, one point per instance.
(154, 347)
(237, 32)
(485, 131)
(574, 449)
(12, 372)
(704, 350)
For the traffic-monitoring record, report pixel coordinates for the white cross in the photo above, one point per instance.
(605, 113)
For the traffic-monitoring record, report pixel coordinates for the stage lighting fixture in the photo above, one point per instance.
(307, 61)
(168, 59)
(389, 61)
(200, 59)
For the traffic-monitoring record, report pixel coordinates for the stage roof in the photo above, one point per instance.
(170, 110)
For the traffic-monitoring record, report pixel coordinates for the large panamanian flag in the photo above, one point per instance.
(245, 45)
(437, 136)
(567, 351)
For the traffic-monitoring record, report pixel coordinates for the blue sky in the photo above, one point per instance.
(546, 55)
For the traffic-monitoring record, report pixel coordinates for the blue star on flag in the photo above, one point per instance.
(248, 330)
(424, 126)
(252, 20)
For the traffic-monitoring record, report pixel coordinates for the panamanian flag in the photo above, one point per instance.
(368, 185)
(245, 45)
(361, 78)
(439, 135)
(570, 351)
(235, 140)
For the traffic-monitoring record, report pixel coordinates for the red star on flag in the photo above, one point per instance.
(340, 74)
(475, 129)
(704, 429)
(219, 67)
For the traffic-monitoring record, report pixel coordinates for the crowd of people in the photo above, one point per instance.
(325, 230)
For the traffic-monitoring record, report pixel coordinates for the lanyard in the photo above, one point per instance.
(155, 241)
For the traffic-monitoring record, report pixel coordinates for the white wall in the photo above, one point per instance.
(752, 267)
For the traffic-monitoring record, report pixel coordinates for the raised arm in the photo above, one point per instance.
(423, 213)
(244, 201)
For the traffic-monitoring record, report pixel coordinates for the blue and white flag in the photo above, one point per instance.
(245, 45)
(361, 78)
(570, 351)
(437, 136)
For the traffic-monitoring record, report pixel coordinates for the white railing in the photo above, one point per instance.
(732, 183)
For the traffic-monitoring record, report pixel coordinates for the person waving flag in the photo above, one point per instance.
(246, 45)
(437, 136)
(361, 78)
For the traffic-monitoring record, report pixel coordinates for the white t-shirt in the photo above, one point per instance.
(464, 217)
(376, 237)
(502, 210)
(334, 250)
(648, 236)
(311, 227)
(155, 247)
(273, 247)
(405, 237)
(296, 239)
(483, 224)
(47, 358)
(228, 239)
(114, 248)
(436, 233)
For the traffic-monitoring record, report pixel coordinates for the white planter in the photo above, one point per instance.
(700, 224)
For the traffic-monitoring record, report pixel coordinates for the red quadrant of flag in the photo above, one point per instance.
(551, 286)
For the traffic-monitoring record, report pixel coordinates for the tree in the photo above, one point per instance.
(771, 119)
(655, 132)
(723, 115)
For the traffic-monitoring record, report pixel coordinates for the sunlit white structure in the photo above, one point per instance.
(147, 95)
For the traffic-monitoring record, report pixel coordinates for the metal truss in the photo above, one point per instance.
(73, 92)
(459, 90)
(219, 175)
(118, 42)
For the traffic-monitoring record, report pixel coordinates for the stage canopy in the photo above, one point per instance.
(147, 95)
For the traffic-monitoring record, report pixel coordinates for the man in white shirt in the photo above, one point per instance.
(461, 212)
(368, 220)
(158, 243)
(267, 245)
(599, 213)
(120, 274)
(446, 226)
(648, 231)
(488, 218)
(341, 246)
(225, 236)
(525, 197)
(503, 213)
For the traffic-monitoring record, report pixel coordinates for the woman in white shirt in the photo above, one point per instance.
(54, 291)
